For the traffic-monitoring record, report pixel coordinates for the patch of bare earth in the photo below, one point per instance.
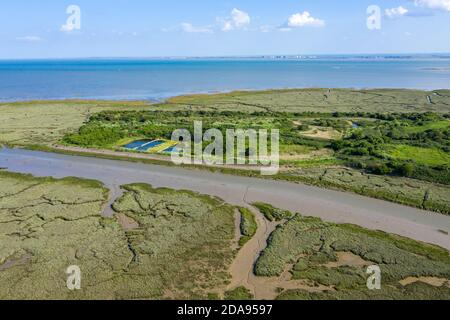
(348, 259)
(432, 281)
(126, 222)
(322, 133)
(268, 288)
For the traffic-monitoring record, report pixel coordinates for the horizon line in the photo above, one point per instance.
(266, 56)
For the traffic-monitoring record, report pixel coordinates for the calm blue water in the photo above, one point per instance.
(156, 79)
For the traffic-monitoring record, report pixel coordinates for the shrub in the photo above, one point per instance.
(240, 293)
(95, 135)
(248, 225)
(271, 213)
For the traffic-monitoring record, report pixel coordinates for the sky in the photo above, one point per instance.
(156, 28)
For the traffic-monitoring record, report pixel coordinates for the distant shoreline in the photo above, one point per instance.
(349, 56)
(162, 100)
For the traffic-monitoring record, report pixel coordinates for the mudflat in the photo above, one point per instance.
(330, 205)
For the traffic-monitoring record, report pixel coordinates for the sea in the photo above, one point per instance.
(159, 78)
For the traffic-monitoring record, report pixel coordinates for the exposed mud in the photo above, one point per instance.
(242, 268)
(329, 205)
(15, 262)
(115, 192)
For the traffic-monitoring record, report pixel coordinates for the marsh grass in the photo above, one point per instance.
(426, 156)
(308, 244)
(183, 242)
(248, 225)
(240, 293)
(181, 249)
(271, 213)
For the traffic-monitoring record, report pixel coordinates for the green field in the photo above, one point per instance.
(46, 122)
(426, 156)
(429, 126)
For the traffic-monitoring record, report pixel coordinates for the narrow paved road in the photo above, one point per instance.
(329, 205)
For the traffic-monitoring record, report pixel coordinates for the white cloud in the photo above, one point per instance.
(189, 28)
(434, 4)
(29, 39)
(238, 20)
(304, 19)
(227, 26)
(396, 12)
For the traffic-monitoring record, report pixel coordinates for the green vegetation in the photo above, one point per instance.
(271, 213)
(318, 100)
(392, 148)
(46, 122)
(414, 291)
(163, 244)
(166, 244)
(240, 293)
(183, 243)
(156, 124)
(95, 136)
(47, 225)
(335, 257)
(364, 141)
(436, 125)
(248, 225)
(424, 156)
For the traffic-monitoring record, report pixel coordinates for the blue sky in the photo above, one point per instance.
(149, 28)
